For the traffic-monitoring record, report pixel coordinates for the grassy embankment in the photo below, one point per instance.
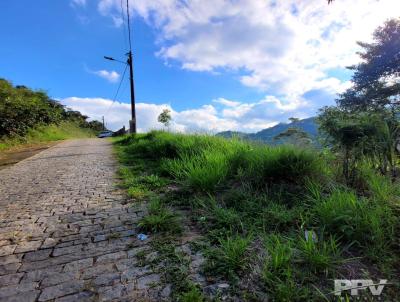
(275, 221)
(46, 133)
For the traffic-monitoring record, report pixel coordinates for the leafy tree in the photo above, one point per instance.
(165, 117)
(377, 78)
(294, 135)
(359, 135)
(365, 122)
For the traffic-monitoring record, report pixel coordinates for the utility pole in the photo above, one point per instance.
(129, 62)
(104, 126)
(132, 122)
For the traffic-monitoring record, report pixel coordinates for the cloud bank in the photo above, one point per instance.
(294, 51)
(285, 47)
(220, 115)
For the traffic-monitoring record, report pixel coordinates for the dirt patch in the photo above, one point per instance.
(15, 155)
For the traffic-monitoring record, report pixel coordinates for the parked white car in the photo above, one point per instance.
(105, 134)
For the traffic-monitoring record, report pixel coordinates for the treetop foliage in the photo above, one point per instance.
(377, 78)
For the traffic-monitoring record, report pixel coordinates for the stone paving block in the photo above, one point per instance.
(112, 293)
(84, 296)
(37, 255)
(11, 290)
(78, 265)
(57, 278)
(38, 275)
(10, 279)
(9, 268)
(7, 249)
(106, 279)
(60, 290)
(30, 296)
(28, 246)
(112, 257)
(49, 242)
(11, 259)
(97, 270)
(67, 250)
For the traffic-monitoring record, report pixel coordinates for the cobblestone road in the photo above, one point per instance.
(65, 233)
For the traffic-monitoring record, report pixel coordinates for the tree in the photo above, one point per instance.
(165, 117)
(377, 78)
(365, 122)
(294, 135)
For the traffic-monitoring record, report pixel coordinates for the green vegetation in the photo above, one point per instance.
(284, 221)
(282, 213)
(41, 134)
(160, 219)
(28, 116)
(365, 123)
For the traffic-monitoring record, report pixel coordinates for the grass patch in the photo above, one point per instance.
(229, 257)
(240, 194)
(160, 219)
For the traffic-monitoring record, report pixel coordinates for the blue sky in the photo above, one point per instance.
(218, 65)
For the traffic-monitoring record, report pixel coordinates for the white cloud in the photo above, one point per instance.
(286, 48)
(247, 117)
(111, 76)
(226, 102)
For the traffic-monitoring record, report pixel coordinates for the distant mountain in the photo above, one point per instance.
(230, 134)
(308, 125)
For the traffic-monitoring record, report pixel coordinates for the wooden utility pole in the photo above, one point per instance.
(129, 62)
(132, 122)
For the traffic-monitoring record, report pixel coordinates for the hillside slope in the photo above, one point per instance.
(29, 116)
(308, 125)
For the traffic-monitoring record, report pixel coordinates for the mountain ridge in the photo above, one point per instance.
(267, 135)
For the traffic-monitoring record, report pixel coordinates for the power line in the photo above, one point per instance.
(123, 24)
(119, 87)
(129, 62)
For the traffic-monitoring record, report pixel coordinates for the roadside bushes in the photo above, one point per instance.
(23, 109)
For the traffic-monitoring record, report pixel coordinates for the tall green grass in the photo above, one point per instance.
(204, 162)
(243, 193)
